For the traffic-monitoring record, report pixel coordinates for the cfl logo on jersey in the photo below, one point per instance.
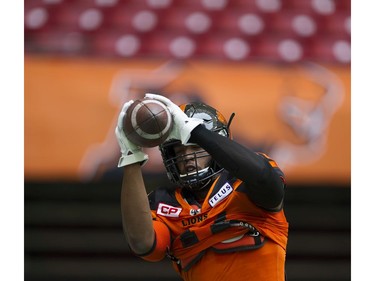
(168, 211)
(194, 212)
(224, 191)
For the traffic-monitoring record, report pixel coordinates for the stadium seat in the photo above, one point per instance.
(191, 28)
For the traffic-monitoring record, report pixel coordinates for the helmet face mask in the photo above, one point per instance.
(186, 169)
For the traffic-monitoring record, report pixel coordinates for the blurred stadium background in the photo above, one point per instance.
(283, 66)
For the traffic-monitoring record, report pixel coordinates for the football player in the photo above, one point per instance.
(224, 219)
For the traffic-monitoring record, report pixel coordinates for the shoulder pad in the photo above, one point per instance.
(164, 195)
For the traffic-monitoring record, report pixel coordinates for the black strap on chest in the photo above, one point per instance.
(221, 226)
(190, 238)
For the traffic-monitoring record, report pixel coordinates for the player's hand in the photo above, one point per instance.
(130, 153)
(182, 124)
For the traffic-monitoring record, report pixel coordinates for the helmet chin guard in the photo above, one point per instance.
(196, 178)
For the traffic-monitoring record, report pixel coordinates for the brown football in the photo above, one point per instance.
(147, 123)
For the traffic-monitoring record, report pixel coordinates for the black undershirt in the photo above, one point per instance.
(264, 186)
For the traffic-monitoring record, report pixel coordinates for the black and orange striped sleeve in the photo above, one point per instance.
(161, 244)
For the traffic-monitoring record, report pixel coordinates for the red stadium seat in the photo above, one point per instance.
(336, 50)
(288, 30)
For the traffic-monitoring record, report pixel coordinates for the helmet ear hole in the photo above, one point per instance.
(214, 121)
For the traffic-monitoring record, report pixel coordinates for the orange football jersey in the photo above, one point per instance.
(227, 237)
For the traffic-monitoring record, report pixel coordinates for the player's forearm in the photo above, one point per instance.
(135, 210)
(237, 159)
(265, 187)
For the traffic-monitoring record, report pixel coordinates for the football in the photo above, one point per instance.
(147, 123)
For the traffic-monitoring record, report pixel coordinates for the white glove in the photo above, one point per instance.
(182, 124)
(131, 153)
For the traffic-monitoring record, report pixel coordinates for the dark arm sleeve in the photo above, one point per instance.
(264, 182)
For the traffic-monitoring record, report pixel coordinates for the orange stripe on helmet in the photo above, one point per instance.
(221, 117)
